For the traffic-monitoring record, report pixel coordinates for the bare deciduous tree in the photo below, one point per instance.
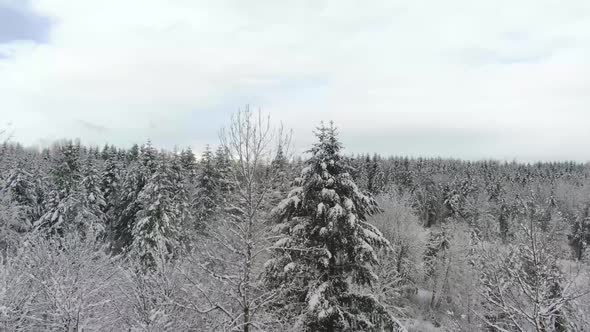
(525, 288)
(239, 239)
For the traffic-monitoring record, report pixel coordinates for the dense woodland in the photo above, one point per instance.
(247, 237)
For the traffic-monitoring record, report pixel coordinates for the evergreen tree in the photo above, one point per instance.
(155, 231)
(11, 225)
(92, 201)
(66, 168)
(105, 154)
(208, 194)
(180, 194)
(110, 179)
(579, 238)
(148, 158)
(40, 189)
(58, 211)
(376, 176)
(224, 169)
(360, 171)
(323, 263)
(21, 189)
(136, 177)
(280, 169)
(189, 164)
(62, 202)
(133, 153)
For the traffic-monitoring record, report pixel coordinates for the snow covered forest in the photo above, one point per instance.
(249, 236)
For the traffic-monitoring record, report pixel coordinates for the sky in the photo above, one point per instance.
(504, 79)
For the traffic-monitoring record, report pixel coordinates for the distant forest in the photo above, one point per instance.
(249, 237)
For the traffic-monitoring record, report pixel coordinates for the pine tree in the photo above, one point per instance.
(12, 223)
(224, 169)
(148, 158)
(579, 238)
(40, 189)
(21, 189)
(189, 164)
(136, 177)
(105, 154)
(62, 202)
(66, 168)
(133, 153)
(181, 198)
(110, 179)
(376, 176)
(58, 211)
(323, 263)
(208, 193)
(92, 202)
(280, 168)
(155, 231)
(370, 171)
(360, 171)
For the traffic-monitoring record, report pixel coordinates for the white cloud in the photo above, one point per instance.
(173, 69)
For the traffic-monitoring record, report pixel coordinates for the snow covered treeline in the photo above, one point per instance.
(248, 237)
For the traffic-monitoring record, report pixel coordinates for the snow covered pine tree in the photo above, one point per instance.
(155, 231)
(323, 261)
(208, 193)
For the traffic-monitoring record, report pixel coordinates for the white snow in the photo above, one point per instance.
(282, 242)
(305, 171)
(335, 212)
(299, 227)
(348, 204)
(371, 236)
(286, 203)
(320, 209)
(295, 191)
(317, 295)
(329, 194)
(351, 219)
(289, 267)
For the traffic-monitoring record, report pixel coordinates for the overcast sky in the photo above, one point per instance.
(455, 78)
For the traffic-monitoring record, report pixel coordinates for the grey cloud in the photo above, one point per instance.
(93, 126)
(20, 23)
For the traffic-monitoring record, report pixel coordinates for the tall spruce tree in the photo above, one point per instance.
(208, 194)
(92, 201)
(110, 180)
(62, 203)
(155, 231)
(189, 164)
(181, 199)
(224, 170)
(104, 155)
(11, 224)
(323, 262)
(135, 179)
(281, 170)
(134, 152)
(66, 168)
(21, 187)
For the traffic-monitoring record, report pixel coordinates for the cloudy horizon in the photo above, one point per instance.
(462, 79)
